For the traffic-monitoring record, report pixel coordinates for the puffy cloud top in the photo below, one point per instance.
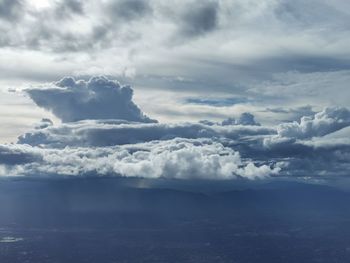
(98, 98)
(322, 123)
(176, 158)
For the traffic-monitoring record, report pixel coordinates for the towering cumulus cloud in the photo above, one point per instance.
(98, 98)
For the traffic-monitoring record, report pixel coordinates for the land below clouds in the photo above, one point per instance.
(156, 220)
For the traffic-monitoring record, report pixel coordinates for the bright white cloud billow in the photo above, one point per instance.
(322, 123)
(177, 158)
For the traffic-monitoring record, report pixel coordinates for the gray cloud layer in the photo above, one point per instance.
(108, 133)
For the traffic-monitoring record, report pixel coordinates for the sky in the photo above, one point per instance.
(198, 89)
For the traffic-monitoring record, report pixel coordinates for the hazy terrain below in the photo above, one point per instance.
(111, 220)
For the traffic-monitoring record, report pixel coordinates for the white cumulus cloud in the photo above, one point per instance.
(177, 158)
(98, 98)
(324, 122)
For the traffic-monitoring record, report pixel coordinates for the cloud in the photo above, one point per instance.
(221, 46)
(315, 147)
(129, 9)
(292, 114)
(217, 102)
(17, 154)
(335, 139)
(11, 10)
(274, 53)
(312, 135)
(98, 98)
(245, 118)
(199, 18)
(99, 141)
(322, 123)
(177, 158)
(44, 123)
(114, 132)
(66, 8)
(116, 147)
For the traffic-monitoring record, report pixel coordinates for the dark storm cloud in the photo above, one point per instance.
(98, 98)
